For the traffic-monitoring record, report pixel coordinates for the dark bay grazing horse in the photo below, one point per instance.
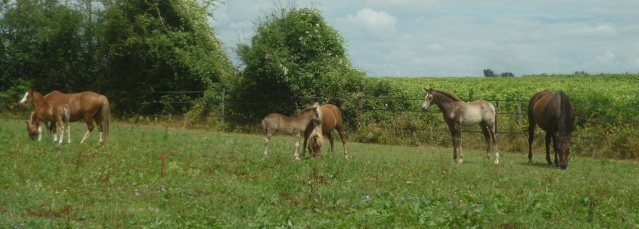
(553, 112)
(296, 125)
(331, 120)
(458, 113)
(87, 106)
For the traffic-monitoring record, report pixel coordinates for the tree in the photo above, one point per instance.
(489, 73)
(41, 46)
(293, 53)
(156, 46)
(507, 74)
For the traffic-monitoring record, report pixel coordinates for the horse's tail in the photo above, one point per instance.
(566, 119)
(106, 115)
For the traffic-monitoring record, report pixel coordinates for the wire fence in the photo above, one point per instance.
(363, 105)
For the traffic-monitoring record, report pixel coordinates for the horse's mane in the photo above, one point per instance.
(449, 95)
(314, 106)
(566, 115)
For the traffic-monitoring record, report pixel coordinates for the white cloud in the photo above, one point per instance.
(461, 38)
(606, 57)
(378, 23)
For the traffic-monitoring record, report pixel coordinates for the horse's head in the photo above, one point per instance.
(429, 98)
(563, 149)
(28, 96)
(32, 129)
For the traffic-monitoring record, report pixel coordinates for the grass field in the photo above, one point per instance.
(158, 177)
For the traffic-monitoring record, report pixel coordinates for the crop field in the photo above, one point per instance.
(160, 177)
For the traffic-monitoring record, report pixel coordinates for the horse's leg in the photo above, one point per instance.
(340, 131)
(61, 127)
(89, 122)
(297, 145)
(68, 128)
(455, 138)
(531, 137)
(493, 130)
(307, 133)
(484, 130)
(330, 139)
(548, 137)
(54, 131)
(554, 147)
(98, 120)
(40, 132)
(267, 138)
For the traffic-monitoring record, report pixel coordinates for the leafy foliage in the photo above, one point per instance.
(293, 53)
(160, 46)
(125, 49)
(43, 47)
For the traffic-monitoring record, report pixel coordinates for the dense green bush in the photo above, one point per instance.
(293, 54)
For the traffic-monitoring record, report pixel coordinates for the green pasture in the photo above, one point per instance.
(160, 177)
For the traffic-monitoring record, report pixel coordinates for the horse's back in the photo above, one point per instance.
(271, 122)
(331, 118)
(544, 109)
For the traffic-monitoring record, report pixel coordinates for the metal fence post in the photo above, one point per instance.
(519, 114)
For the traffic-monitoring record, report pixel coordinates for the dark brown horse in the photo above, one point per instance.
(553, 112)
(296, 125)
(87, 105)
(458, 113)
(331, 120)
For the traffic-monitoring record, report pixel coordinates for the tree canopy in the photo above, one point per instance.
(126, 49)
(294, 53)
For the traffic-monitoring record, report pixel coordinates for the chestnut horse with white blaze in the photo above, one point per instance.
(458, 113)
(296, 125)
(50, 113)
(332, 120)
(87, 106)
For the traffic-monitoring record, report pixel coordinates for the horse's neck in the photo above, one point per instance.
(444, 103)
(37, 100)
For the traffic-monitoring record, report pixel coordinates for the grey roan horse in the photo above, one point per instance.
(296, 125)
(458, 113)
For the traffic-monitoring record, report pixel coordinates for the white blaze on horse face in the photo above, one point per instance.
(427, 101)
(25, 99)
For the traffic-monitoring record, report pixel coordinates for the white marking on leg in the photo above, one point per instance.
(297, 146)
(39, 133)
(496, 154)
(68, 133)
(266, 140)
(101, 139)
(86, 136)
(61, 134)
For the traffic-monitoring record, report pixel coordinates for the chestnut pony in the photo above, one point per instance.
(87, 105)
(458, 113)
(331, 120)
(554, 113)
(50, 113)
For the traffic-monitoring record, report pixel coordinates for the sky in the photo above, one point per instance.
(441, 38)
